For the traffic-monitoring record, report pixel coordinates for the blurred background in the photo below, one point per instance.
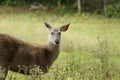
(90, 49)
(109, 8)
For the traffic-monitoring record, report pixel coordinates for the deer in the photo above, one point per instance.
(15, 53)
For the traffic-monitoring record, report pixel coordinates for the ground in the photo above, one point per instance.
(90, 48)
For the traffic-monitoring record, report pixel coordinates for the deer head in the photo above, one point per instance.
(55, 33)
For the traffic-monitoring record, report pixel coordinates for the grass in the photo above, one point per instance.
(90, 48)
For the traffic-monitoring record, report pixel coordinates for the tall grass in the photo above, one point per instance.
(90, 48)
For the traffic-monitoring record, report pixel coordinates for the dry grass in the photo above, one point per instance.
(83, 56)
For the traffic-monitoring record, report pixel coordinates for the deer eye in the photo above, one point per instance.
(52, 33)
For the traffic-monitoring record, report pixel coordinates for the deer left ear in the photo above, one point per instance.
(47, 26)
(64, 27)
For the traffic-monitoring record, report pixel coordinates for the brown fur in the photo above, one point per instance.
(15, 53)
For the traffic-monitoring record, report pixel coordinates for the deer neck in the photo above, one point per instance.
(55, 50)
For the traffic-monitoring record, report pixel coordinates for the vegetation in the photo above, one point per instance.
(90, 48)
(110, 8)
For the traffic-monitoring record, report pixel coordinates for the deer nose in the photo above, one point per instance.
(57, 42)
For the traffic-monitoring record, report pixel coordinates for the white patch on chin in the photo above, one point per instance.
(52, 42)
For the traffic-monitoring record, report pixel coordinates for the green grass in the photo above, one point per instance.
(90, 47)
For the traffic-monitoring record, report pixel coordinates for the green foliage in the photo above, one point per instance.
(110, 11)
(63, 6)
(113, 8)
(14, 2)
(83, 56)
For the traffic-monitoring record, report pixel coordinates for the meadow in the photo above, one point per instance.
(90, 48)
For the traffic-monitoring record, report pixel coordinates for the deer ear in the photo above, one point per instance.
(47, 26)
(64, 27)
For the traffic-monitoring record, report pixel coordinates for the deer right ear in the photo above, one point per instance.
(64, 27)
(48, 26)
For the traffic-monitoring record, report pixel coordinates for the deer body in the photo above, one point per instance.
(15, 53)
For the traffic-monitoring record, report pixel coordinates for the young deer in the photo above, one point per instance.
(15, 53)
